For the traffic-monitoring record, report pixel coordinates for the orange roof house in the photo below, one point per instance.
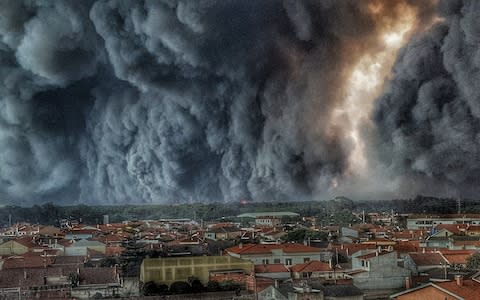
(287, 254)
(316, 269)
(457, 257)
(461, 289)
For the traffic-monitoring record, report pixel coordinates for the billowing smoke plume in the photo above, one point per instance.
(164, 101)
(428, 120)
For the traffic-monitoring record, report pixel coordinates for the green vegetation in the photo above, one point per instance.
(335, 211)
(302, 234)
(473, 261)
(192, 286)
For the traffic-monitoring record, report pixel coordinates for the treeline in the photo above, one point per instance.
(336, 210)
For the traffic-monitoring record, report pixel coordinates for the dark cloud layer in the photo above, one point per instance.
(165, 101)
(428, 120)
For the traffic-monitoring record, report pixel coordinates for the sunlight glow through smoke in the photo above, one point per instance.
(364, 86)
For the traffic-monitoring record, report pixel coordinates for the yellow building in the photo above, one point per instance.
(171, 269)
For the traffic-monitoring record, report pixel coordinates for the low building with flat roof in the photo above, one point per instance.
(428, 221)
(269, 214)
(170, 269)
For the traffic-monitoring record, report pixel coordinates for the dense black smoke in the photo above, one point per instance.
(164, 101)
(428, 120)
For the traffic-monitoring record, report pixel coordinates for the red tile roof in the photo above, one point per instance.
(467, 243)
(27, 242)
(373, 254)
(27, 277)
(271, 268)
(457, 257)
(349, 249)
(311, 266)
(69, 260)
(406, 246)
(114, 251)
(473, 228)
(26, 261)
(267, 248)
(469, 290)
(98, 276)
(456, 229)
(427, 259)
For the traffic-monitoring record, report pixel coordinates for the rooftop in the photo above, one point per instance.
(427, 259)
(373, 254)
(267, 248)
(311, 266)
(268, 214)
(271, 268)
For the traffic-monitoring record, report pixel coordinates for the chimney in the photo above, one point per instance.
(459, 280)
(240, 246)
(276, 283)
(408, 283)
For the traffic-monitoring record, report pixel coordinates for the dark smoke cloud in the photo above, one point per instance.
(428, 120)
(164, 101)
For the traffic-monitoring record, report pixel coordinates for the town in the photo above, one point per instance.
(253, 255)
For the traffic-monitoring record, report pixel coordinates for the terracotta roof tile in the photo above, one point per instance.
(69, 260)
(427, 259)
(312, 266)
(267, 248)
(27, 261)
(114, 251)
(469, 290)
(457, 257)
(271, 268)
(98, 276)
(372, 255)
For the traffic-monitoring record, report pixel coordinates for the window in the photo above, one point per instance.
(276, 261)
(265, 261)
(288, 261)
(306, 259)
(363, 263)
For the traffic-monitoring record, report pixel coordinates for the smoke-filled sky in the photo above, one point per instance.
(169, 101)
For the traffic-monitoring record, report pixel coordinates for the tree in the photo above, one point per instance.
(302, 234)
(73, 278)
(473, 261)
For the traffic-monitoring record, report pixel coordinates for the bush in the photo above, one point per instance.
(229, 285)
(213, 286)
(150, 288)
(197, 286)
(180, 287)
